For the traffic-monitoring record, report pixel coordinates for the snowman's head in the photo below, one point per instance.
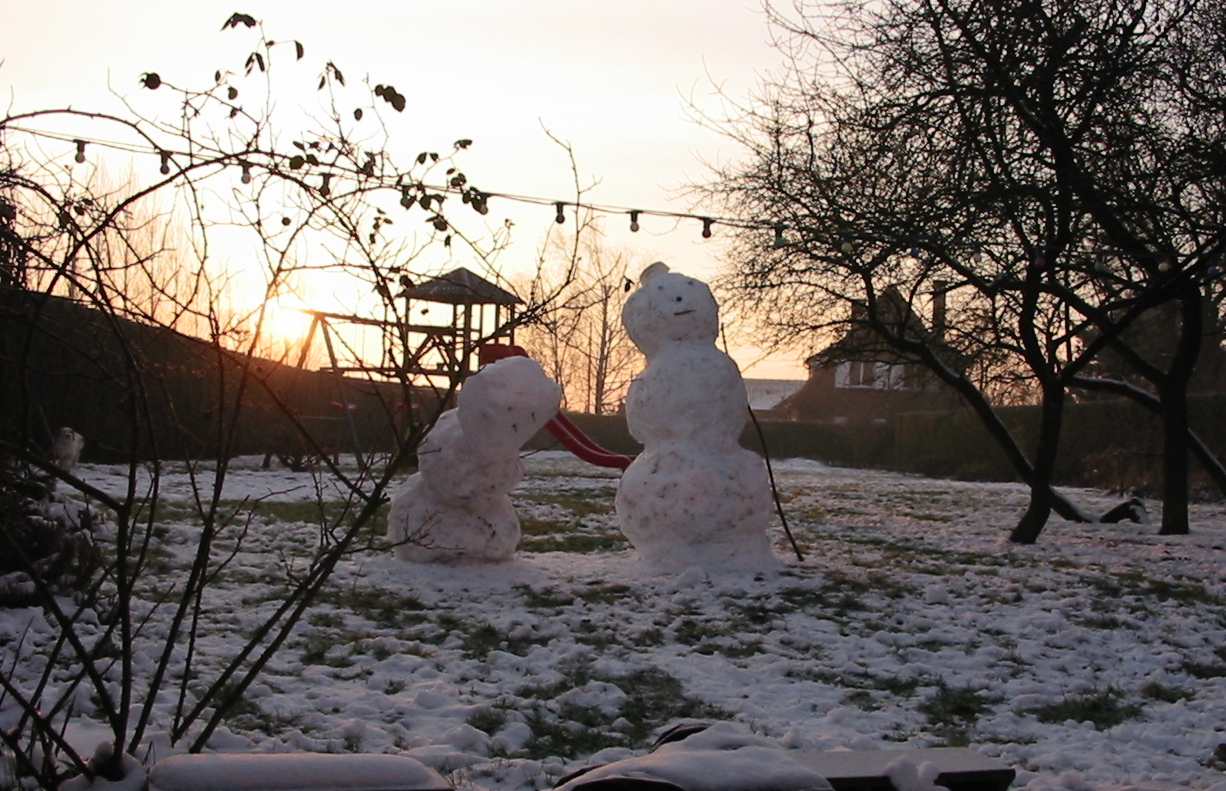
(669, 307)
(505, 403)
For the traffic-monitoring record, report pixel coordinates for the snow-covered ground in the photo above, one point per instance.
(1094, 660)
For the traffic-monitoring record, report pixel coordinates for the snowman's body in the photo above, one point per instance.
(457, 507)
(694, 496)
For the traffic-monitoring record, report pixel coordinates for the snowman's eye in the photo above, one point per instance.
(677, 299)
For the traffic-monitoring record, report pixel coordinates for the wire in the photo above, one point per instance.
(774, 489)
(632, 212)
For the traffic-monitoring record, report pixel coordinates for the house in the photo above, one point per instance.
(860, 379)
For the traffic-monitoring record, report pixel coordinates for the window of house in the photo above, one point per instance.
(877, 376)
(861, 374)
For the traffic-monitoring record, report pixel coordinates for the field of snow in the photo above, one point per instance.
(1095, 660)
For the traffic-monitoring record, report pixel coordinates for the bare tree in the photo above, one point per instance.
(580, 340)
(228, 165)
(990, 146)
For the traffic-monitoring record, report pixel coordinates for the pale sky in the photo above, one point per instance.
(612, 79)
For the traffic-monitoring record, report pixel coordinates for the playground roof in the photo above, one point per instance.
(462, 287)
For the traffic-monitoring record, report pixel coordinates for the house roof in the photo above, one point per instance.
(462, 287)
(862, 343)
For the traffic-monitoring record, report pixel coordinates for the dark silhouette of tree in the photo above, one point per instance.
(1058, 163)
(227, 163)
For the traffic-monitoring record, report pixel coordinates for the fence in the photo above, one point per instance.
(64, 364)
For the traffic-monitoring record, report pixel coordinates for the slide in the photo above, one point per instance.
(566, 432)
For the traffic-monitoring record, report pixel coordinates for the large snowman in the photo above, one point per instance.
(457, 507)
(694, 496)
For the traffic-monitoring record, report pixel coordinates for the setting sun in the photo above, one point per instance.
(285, 321)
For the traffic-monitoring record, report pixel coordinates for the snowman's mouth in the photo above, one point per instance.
(683, 312)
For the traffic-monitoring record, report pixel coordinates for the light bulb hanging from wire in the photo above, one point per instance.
(708, 223)
(779, 240)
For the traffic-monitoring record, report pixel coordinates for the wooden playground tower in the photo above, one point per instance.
(436, 356)
(431, 351)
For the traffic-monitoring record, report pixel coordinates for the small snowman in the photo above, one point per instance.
(457, 506)
(694, 496)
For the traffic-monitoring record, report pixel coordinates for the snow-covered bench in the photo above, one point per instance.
(293, 772)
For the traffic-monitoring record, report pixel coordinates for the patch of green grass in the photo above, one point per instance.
(818, 675)
(478, 638)
(606, 594)
(574, 674)
(579, 502)
(861, 699)
(544, 598)
(374, 648)
(738, 650)
(245, 715)
(1100, 619)
(241, 707)
(754, 615)
(564, 737)
(840, 594)
(649, 637)
(803, 598)
(1155, 690)
(729, 648)
(653, 698)
(315, 650)
(954, 707)
(894, 685)
(489, 719)
(689, 631)
(599, 639)
(535, 526)
(579, 543)
(382, 606)
(330, 620)
(1134, 583)
(1102, 709)
(1205, 670)
(933, 645)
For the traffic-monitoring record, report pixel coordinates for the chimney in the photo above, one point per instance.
(939, 287)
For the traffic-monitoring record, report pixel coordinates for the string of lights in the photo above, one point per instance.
(708, 221)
